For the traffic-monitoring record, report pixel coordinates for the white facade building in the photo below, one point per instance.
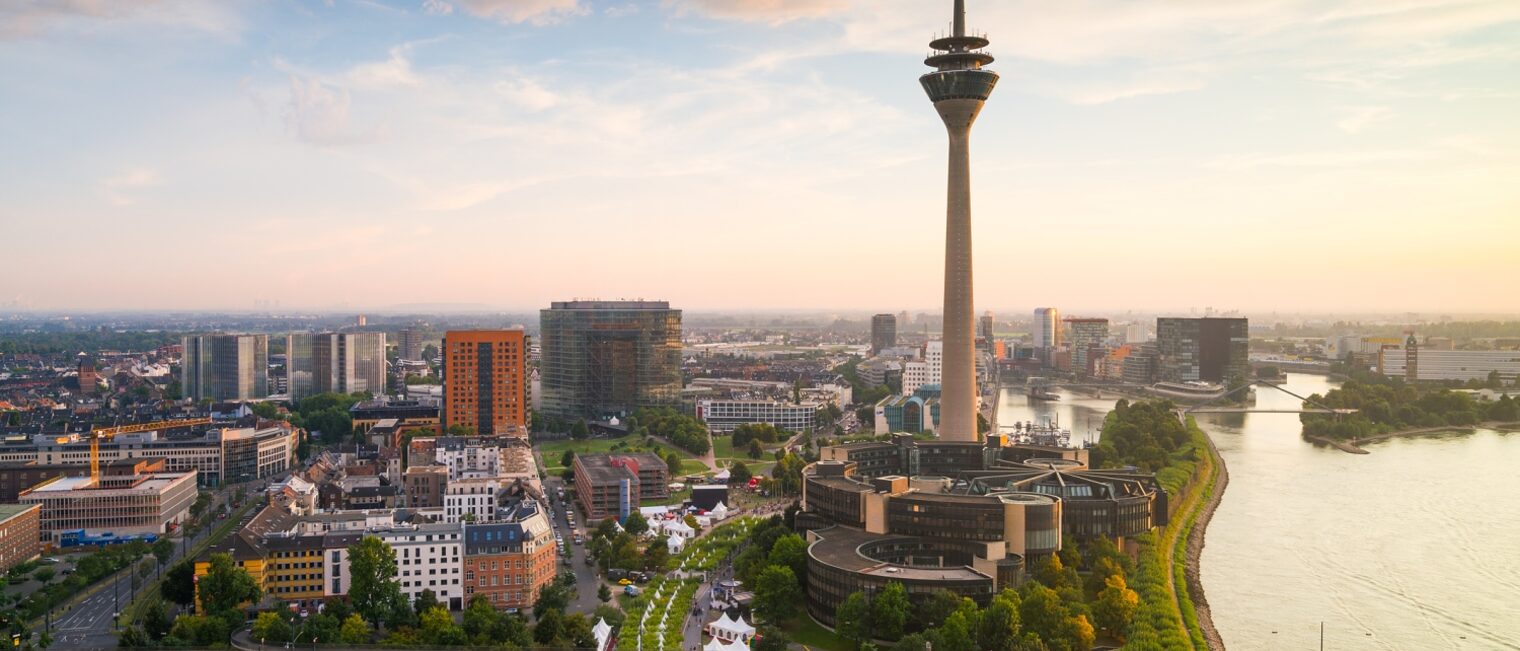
(466, 459)
(928, 371)
(1461, 365)
(428, 557)
(727, 415)
(475, 497)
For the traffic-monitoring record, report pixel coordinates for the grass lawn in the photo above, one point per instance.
(553, 450)
(803, 630)
(723, 447)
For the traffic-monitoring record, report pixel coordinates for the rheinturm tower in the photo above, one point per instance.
(958, 87)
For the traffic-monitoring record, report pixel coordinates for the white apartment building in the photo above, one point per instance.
(475, 497)
(428, 557)
(928, 371)
(468, 458)
(1461, 365)
(727, 415)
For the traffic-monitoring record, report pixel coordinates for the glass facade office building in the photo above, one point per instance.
(225, 367)
(1203, 350)
(608, 358)
(334, 362)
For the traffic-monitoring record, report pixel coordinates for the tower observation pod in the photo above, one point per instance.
(958, 87)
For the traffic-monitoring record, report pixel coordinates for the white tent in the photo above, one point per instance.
(715, 645)
(603, 633)
(719, 511)
(675, 544)
(678, 528)
(730, 631)
(723, 475)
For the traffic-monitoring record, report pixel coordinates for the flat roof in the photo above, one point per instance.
(8, 511)
(839, 546)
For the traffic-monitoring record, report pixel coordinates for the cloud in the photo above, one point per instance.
(774, 12)
(437, 8)
(527, 94)
(537, 12)
(122, 189)
(319, 115)
(27, 18)
(1359, 118)
(1324, 159)
(395, 71)
(1147, 82)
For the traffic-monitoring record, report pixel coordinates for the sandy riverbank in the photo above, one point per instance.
(1354, 445)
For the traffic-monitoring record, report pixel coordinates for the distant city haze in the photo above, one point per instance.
(732, 154)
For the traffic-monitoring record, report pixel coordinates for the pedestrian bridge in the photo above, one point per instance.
(1253, 410)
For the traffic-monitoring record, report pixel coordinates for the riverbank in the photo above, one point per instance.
(1353, 446)
(1195, 543)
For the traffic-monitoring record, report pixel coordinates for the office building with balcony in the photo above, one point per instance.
(119, 506)
(1087, 340)
(728, 415)
(608, 358)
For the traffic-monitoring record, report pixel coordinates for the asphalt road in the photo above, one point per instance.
(91, 622)
(586, 580)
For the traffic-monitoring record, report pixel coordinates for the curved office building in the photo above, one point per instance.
(956, 516)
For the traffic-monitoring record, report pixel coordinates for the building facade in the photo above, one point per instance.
(1086, 336)
(608, 358)
(20, 533)
(120, 506)
(728, 415)
(486, 381)
(883, 332)
(216, 456)
(409, 344)
(1206, 349)
(1415, 363)
(335, 362)
(425, 486)
(509, 562)
(428, 557)
(471, 500)
(1045, 329)
(225, 367)
(612, 485)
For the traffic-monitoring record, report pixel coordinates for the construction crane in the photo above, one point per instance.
(109, 433)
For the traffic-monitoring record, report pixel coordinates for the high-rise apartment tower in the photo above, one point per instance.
(485, 383)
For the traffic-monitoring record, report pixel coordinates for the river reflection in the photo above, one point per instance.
(1415, 546)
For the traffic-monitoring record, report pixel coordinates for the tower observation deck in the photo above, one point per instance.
(958, 87)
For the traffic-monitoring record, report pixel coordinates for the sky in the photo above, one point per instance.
(755, 154)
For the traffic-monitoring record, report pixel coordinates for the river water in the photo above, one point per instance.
(1415, 546)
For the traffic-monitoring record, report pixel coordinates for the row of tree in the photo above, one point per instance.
(1385, 406)
(683, 431)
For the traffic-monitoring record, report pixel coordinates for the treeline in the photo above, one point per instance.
(1458, 330)
(1146, 434)
(327, 413)
(683, 431)
(1069, 600)
(1390, 406)
(53, 343)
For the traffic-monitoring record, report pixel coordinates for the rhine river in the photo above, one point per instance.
(1415, 546)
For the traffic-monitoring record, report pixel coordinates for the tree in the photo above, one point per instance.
(657, 554)
(354, 630)
(911, 642)
(567, 459)
(163, 550)
(852, 620)
(777, 593)
(673, 462)
(425, 601)
(438, 628)
(739, 473)
(270, 627)
(373, 589)
(155, 620)
(889, 611)
(789, 551)
(580, 431)
(1115, 608)
(635, 523)
(226, 585)
(179, 584)
(133, 638)
(603, 593)
(957, 633)
(44, 575)
(999, 626)
(1042, 613)
(933, 610)
(756, 450)
(548, 628)
(770, 638)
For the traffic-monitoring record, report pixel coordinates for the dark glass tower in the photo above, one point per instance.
(958, 87)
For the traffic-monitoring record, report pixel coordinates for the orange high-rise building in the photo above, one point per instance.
(486, 381)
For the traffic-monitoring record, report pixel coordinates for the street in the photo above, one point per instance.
(586, 580)
(90, 623)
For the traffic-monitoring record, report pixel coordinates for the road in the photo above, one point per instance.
(90, 623)
(586, 580)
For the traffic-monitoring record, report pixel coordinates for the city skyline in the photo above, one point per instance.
(1257, 156)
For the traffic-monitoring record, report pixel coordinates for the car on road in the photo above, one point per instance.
(624, 582)
(577, 539)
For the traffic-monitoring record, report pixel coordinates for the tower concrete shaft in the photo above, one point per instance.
(958, 88)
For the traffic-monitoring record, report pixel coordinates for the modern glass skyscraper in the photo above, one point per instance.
(607, 358)
(1085, 334)
(224, 367)
(1206, 350)
(1046, 328)
(334, 362)
(883, 332)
